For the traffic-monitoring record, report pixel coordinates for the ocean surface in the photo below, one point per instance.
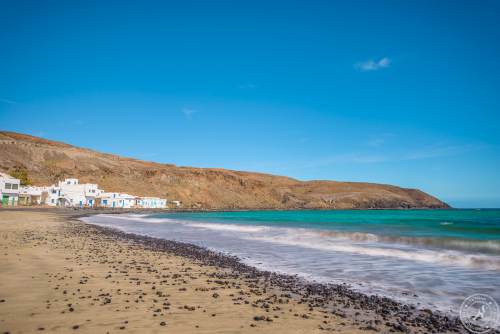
(429, 258)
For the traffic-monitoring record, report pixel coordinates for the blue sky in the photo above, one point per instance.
(399, 92)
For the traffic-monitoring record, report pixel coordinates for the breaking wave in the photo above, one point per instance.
(452, 258)
(482, 246)
(479, 246)
(446, 251)
(454, 252)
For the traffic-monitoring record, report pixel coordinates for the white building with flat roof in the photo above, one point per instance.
(53, 193)
(31, 195)
(151, 203)
(117, 200)
(72, 193)
(9, 190)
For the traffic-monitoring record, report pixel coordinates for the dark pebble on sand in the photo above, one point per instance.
(369, 328)
(163, 323)
(401, 328)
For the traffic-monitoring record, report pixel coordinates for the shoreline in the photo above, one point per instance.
(92, 211)
(316, 307)
(338, 299)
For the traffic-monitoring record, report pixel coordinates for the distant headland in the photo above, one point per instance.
(47, 161)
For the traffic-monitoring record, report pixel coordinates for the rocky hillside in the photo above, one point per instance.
(208, 188)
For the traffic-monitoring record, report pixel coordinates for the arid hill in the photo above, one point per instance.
(208, 188)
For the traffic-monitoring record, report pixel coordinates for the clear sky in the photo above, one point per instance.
(399, 92)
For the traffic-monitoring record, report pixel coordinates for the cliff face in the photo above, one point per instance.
(211, 188)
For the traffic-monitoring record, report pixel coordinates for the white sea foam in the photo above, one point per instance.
(484, 246)
(143, 218)
(311, 240)
(230, 227)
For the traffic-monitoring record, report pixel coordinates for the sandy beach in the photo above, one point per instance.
(58, 277)
(61, 275)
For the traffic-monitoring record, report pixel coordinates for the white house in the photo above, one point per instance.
(31, 195)
(9, 190)
(151, 202)
(72, 193)
(53, 193)
(117, 200)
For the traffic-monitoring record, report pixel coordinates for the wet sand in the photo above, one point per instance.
(60, 275)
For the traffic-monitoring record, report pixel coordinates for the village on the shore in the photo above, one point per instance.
(72, 193)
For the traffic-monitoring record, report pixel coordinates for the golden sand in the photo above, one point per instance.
(55, 280)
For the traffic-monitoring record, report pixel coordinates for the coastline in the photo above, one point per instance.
(300, 306)
(87, 211)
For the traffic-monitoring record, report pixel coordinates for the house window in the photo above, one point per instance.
(8, 186)
(14, 186)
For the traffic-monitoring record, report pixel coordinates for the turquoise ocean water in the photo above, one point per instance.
(475, 224)
(429, 258)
